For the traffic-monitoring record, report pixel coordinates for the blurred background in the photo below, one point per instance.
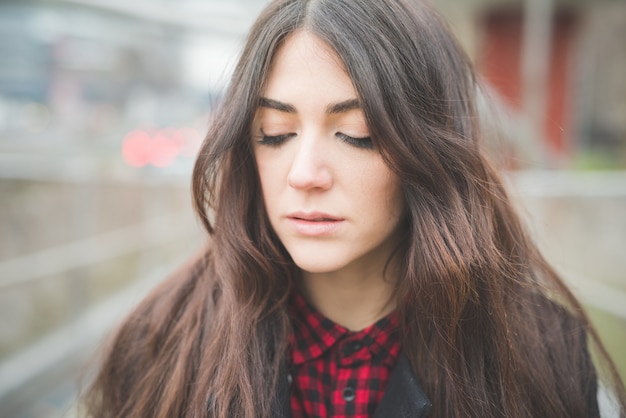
(103, 104)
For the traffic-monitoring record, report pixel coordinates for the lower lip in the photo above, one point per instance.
(314, 228)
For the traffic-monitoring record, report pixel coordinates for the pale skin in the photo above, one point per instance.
(333, 202)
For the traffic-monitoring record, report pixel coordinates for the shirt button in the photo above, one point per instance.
(348, 394)
(352, 347)
(356, 346)
(289, 378)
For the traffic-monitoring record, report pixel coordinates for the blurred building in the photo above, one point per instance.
(96, 69)
(100, 69)
(559, 67)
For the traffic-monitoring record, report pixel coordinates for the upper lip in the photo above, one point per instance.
(313, 216)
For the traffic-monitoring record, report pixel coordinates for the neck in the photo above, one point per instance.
(353, 301)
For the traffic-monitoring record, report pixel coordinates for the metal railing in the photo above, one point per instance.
(82, 333)
(58, 353)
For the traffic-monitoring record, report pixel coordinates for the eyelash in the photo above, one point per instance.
(364, 142)
(273, 140)
(277, 140)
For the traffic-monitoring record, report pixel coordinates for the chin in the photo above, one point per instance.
(318, 264)
(318, 268)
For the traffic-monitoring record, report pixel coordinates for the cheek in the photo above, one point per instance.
(264, 179)
(383, 190)
(394, 200)
(270, 176)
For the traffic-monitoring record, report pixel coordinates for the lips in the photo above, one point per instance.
(314, 217)
(314, 224)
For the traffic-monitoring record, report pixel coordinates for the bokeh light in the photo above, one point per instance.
(159, 148)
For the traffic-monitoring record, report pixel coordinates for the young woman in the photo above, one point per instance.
(364, 258)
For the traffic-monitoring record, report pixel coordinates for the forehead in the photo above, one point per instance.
(305, 64)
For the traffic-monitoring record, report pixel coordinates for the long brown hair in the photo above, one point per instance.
(489, 328)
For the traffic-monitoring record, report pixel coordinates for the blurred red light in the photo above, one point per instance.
(164, 150)
(136, 148)
(159, 148)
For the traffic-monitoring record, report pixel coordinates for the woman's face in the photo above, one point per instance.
(330, 198)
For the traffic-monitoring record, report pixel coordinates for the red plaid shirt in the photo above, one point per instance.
(336, 372)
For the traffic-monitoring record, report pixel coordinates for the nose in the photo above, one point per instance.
(310, 167)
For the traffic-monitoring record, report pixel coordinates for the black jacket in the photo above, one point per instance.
(403, 396)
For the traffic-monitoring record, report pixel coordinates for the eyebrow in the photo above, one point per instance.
(276, 105)
(331, 109)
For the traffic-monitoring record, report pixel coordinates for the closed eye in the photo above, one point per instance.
(364, 142)
(273, 140)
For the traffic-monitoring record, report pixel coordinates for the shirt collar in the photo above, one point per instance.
(313, 335)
